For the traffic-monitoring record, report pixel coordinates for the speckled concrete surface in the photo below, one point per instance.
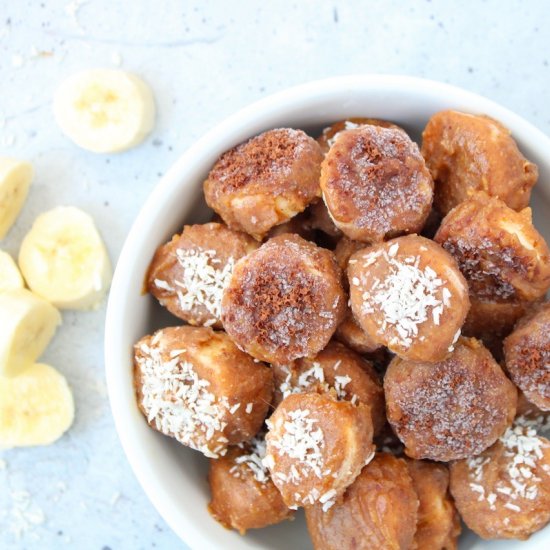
(204, 61)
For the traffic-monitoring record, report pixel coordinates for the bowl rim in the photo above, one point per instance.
(187, 531)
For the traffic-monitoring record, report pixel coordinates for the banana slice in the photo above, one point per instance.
(10, 276)
(36, 408)
(27, 324)
(63, 259)
(15, 179)
(105, 110)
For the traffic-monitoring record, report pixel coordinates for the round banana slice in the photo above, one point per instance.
(64, 260)
(10, 276)
(15, 179)
(36, 408)
(27, 323)
(105, 110)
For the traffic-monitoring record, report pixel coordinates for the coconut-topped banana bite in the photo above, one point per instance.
(189, 273)
(316, 447)
(504, 492)
(408, 294)
(284, 301)
(195, 385)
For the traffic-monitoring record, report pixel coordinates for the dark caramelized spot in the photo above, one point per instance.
(263, 157)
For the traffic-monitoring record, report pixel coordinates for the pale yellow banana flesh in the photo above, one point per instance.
(27, 323)
(15, 179)
(36, 407)
(10, 276)
(105, 110)
(64, 260)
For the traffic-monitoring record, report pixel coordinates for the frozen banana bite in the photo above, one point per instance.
(337, 370)
(375, 184)
(451, 409)
(195, 385)
(467, 153)
(527, 356)
(188, 273)
(265, 181)
(330, 133)
(499, 251)
(243, 495)
(438, 524)
(504, 493)
(316, 447)
(408, 294)
(284, 301)
(378, 511)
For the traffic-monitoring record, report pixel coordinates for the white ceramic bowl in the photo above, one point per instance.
(174, 477)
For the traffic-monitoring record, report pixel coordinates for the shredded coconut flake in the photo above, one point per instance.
(302, 441)
(407, 297)
(203, 280)
(178, 403)
(315, 377)
(253, 460)
(522, 449)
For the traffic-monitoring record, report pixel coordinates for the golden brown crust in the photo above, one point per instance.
(378, 511)
(408, 294)
(504, 493)
(320, 219)
(438, 524)
(187, 274)
(284, 301)
(265, 181)
(316, 447)
(375, 184)
(330, 133)
(503, 257)
(451, 409)
(337, 370)
(298, 225)
(467, 153)
(350, 333)
(242, 494)
(179, 370)
(491, 322)
(527, 355)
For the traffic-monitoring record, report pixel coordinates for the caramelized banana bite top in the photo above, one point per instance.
(284, 301)
(499, 251)
(375, 184)
(451, 409)
(265, 181)
(527, 356)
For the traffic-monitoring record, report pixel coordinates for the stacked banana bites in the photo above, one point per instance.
(334, 359)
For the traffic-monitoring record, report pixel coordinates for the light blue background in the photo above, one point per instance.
(204, 60)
